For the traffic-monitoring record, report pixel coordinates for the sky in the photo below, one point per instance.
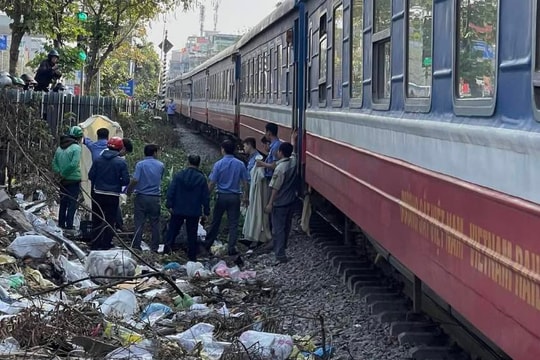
(234, 17)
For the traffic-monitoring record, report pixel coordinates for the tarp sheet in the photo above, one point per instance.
(90, 127)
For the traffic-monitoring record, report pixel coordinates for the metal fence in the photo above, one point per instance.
(62, 110)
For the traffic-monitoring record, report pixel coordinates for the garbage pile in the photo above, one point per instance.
(57, 301)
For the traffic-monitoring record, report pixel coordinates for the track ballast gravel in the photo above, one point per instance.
(308, 287)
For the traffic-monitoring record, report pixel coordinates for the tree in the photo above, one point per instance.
(25, 14)
(112, 22)
(115, 70)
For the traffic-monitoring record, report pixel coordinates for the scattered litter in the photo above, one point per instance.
(110, 263)
(34, 246)
(271, 345)
(133, 352)
(122, 304)
(197, 270)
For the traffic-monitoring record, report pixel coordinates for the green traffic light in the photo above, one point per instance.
(82, 16)
(82, 55)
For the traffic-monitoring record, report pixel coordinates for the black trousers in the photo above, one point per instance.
(103, 207)
(175, 225)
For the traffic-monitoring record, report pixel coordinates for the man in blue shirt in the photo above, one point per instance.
(228, 175)
(269, 163)
(171, 110)
(146, 184)
(97, 147)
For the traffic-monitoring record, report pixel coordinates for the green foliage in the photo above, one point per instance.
(108, 25)
(115, 70)
(69, 60)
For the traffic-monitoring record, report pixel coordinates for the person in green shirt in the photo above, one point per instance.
(66, 164)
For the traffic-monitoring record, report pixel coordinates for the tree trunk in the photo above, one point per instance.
(90, 77)
(16, 39)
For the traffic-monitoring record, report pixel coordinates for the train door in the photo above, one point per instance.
(299, 40)
(236, 91)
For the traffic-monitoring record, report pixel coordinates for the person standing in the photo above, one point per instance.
(171, 110)
(282, 198)
(47, 71)
(66, 163)
(187, 199)
(146, 184)
(270, 162)
(128, 149)
(228, 176)
(108, 174)
(97, 147)
(256, 227)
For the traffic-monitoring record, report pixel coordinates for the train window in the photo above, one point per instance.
(279, 54)
(383, 15)
(381, 85)
(323, 52)
(337, 46)
(357, 50)
(270, 72)
(419, 48)
(476, 60)
(264, 75)
(257, 71)
(253, 91)
(308, 72)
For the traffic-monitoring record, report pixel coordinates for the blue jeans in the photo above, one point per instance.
(69, 197)
(147, 207)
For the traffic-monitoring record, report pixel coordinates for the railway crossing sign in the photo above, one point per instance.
(168, 46)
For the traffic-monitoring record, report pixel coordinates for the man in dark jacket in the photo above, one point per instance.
(108, 174)
(47, 72)
(187, 199)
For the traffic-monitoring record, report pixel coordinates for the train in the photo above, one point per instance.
(419, 121)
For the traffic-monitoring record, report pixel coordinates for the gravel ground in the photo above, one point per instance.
(307, 288)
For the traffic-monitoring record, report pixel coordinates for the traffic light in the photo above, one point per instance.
(81, 45)
(82, 55)
(82, 16)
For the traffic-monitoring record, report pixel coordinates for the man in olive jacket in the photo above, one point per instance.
(66, 163)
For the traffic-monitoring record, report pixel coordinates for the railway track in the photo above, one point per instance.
(415, 316)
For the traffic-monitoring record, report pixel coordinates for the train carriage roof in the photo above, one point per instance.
(278, 13)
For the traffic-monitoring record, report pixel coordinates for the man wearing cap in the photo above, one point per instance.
(66, 164)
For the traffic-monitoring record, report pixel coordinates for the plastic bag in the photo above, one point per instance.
(222, 270)
(75, 271)
(133, 352)
(196, 269)
(123, 303)
(13, 308)
(35, 246)
(275, 345)
(155, 308)
(202, 333)
(110, 263)
(9, 346)
(201, 233)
